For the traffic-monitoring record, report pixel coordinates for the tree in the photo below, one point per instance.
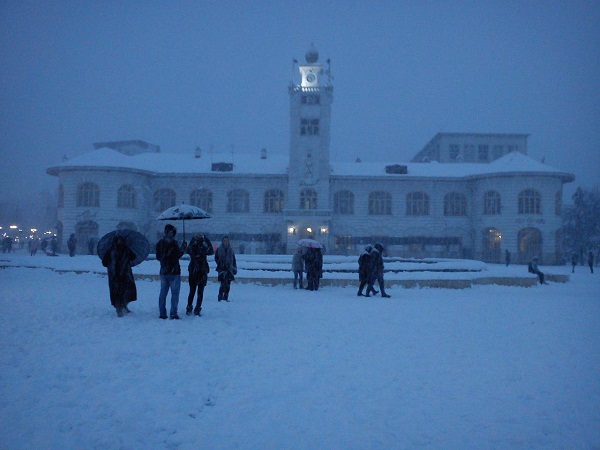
(581, 222)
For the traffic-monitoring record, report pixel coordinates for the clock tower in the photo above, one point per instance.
(308, 211)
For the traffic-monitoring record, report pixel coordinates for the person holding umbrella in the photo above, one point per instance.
(200, 247)
(226, 267)
(121, 283)
(168, 253)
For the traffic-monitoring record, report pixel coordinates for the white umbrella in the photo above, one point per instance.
(311, 243)
(183, 212)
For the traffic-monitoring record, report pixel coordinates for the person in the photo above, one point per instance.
(364, 271)
(298, 268)
(533, 268)
(35, 244)
(72, 244)
(573, 261)
(507, 257)
(377, 269)
(168, 253)
(226, 267)
(52, 246)
(121, 282)
(313, 262)
(200, 247)
(591, 261)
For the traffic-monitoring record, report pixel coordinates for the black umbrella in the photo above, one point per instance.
(137, 242)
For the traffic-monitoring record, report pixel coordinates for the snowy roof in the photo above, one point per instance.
(252, 164)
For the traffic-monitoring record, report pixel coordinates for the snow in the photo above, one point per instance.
(277, 164)
(485, 367)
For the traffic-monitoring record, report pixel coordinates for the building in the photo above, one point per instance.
(466, 195)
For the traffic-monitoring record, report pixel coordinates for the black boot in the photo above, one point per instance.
(188, 310)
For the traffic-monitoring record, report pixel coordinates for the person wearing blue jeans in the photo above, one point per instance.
(168, 253)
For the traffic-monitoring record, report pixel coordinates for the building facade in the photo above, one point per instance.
(464, 195)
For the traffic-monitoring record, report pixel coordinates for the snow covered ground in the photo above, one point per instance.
(486, 367)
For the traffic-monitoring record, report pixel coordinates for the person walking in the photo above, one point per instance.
(35, 244)
(298, 268)
(121, 282)
(200, 247)
(364, 271)
(377, 269)
(573, 261)
(72, 244)
(226, 267)
(591, 261)
(168, 253)
(507, 257)
(533, 268)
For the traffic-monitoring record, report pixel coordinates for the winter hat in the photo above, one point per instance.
(379, 247)
(170, 230)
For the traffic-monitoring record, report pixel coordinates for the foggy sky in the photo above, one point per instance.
(187, 74)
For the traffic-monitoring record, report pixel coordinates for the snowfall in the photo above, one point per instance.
(484, 367)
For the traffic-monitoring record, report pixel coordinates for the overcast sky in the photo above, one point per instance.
(186, 74)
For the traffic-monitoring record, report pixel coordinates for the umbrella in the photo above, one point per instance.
(137, 242)
(183, 212)
(311, 243)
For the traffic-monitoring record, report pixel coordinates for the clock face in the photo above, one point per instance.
(310, 78)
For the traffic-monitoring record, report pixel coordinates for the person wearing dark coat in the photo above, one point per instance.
(533, 268)
(298, 268)
(591, 261)
(121, 283)
(573, 261)
(72, 244)
(168, 253)
(313, 262)
(364, 271)
(226, 268)
(507, 257)
(377, 269)
(200, 247)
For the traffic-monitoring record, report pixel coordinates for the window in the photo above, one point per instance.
(311, 99)
(498, 151)
(454, 151)
(455, 204)
(61, 196)
(163, 199)
(202, 198)
(126, 197)
(274, 201)
(308, 199)
(88, 195)
(530, 202)
(380, 203)
(238, 201)
(343, 202)
(491, 203)
(469, 152)
(483, 152)
(417, 204)
(558, 203)
(309, 127)
(492, 244)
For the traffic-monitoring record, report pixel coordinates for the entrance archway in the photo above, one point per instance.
(492, 245)
(530, 244)
(86, 233)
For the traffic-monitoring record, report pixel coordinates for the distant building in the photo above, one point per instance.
(467, 195)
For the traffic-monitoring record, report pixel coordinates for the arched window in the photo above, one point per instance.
(88, 195)
(558, 203)
(343, 202)
(202, 198)
(491, 203)
(380, 203)
(492, 245)
(61, 196)
(163, 199)
(238, 201)
(417, 204)
(274, 201)
(455, 204)
(126, 197)
(530, 202)
(308, 199)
